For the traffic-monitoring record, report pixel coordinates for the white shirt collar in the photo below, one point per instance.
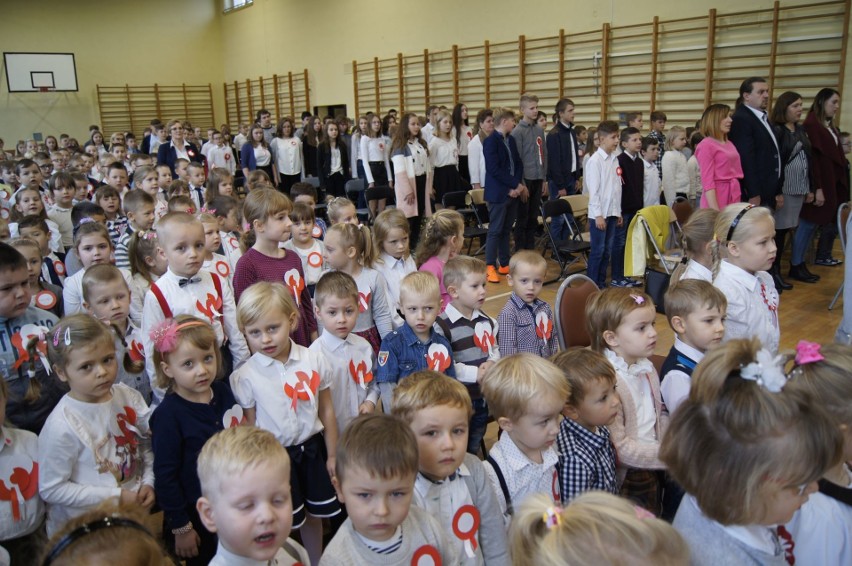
(391, 261)
(648, 164)
(641, 367)
(700, 269)
(263, 360)
(517, 460)
(607, 157)
(757, 112)
(740, 275)
(333, 342)
(454, 314)
(685, 348)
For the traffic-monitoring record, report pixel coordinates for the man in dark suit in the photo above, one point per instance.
(759, 155)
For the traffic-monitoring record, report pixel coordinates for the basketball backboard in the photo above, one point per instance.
(40, 72)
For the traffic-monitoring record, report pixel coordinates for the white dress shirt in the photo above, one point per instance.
(603, 185)
(749, 300)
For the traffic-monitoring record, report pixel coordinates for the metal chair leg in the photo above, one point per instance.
(836, 296)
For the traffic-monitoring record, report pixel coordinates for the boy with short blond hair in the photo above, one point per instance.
(696, 312)
(586, 454)
(196, 178)
(472, 335)
(451, 485)
(531, 146)
(526, 394)
(526, 322)
(263, 467)
(377, 457)
(415, 345)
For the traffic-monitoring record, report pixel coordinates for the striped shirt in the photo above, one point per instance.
(469, 350)
(661, 140)
(586, 460)
(796, 175)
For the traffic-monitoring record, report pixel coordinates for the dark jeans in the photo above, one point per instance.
(478, 424)
(528, 213)
(501, 217)
(619, 246)
(602, 241)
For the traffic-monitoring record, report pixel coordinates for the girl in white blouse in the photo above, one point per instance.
(476, 160)
(697, 260)
(675, 171)
(444, 156)
(287, 155)
(747, 234)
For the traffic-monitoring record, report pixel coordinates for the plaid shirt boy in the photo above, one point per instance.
(586, 460)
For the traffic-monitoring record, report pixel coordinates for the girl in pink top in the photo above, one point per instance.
(442, 240)
(718, 159)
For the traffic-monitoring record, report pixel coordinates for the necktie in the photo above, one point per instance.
(200, 197)
(184, 282)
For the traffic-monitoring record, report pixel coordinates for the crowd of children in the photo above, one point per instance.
(169, 329)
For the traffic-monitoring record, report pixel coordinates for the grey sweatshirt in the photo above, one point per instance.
(534, 155)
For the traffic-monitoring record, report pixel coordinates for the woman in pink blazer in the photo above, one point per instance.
(718, 159)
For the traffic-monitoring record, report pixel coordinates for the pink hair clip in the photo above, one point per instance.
(147, 235)
(165, 334)
(552, 516)
(642, 513)
(207, 210)
(640, 300)
(246, 226)
(808, 352)
(56, 336)
(190, 210)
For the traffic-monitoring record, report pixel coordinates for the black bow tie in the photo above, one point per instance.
(184, 282)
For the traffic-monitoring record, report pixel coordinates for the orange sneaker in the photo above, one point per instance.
(492, 275)
(503, 270)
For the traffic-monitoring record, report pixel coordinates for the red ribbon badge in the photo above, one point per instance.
(619, 173)
(20, 340)
(304, 389)
(59, 267)
(426, 555)
(234, 417)
(212, 309)
(22, 486)
(293, 280)
(465, 526)
(315, 259)
(554, 487)
(126, 422)
(364, 301)
(437, 357)
(222, 268)
(543, 326)
(540, 151)
(136, 351)
(316, 232)
(227, 157)
(45, 299)
(482, 336)
(360, 373)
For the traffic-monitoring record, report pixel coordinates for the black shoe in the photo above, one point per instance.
(780, 284)
(807, 272)
(797, 272)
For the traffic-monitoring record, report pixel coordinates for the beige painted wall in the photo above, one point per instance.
(118, 42)
(115, 42)
(387, 27)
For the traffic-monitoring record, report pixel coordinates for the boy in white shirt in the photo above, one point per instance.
(375, 474)
(185, 289)
(451, 485)
(62, 191)
(196, 178)
(602, 184)
(219, 154)
(346, 359)
(650, 152)
(696, 312)
(310, 250)
(240, 464)
(526, 394)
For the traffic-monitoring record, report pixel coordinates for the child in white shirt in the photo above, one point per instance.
(347, 360)
(95, 444)
(221, 155)
(602, 183)
(282, 389)
(247, 463)
(650, 152)
(526, 394)
(391, 242)
(309, 249)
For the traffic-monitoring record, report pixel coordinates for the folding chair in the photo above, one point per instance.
(480, 208)
(459, 201)
(580, 206)
(564, 252)
(353, 188)
(571, 299)
(842, 218)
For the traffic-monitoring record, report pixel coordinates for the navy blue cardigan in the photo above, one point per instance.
(498, 177)
(166, 155)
